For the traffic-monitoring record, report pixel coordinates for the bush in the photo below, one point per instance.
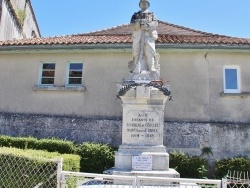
(18, 142)
(51, 145)
(56, 145)
(222, 167)
(188, 166)
(71, 162)
(95, 158)
(30, 167)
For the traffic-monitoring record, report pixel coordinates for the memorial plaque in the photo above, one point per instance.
(142, 127)
(142, 163)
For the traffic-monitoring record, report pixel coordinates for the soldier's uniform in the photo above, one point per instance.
(144, 25)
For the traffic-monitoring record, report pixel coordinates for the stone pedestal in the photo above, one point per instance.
(142, 134)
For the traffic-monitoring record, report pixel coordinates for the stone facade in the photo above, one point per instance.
(0, 9)
(14, 26)
(196, 84)
(225, 139)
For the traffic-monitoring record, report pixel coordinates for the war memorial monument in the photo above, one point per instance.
(143, 98)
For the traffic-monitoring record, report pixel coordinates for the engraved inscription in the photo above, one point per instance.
(142, 126)
(142, 162)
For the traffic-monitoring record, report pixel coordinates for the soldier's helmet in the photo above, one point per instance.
(141, 1)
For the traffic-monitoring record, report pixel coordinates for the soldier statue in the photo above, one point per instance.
(144, 25)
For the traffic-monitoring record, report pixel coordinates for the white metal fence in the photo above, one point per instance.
(85, 180)
(22, 173)
(177, 182)
(236, 180)
(25, 172)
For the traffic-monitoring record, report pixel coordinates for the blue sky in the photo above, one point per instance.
(65, 17)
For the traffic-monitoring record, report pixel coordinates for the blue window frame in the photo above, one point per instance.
(231, 79)
(47, 74)
(74, 74)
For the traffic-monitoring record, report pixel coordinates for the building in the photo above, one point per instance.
(17, 20)
(65, 87)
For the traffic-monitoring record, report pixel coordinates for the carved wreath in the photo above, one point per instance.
(161, 88)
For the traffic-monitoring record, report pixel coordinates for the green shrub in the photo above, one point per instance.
(51, 145)
(188, 166)
(240, 164)
(18, 142)
(30, 167)
(21, 15)
(95, 158)
(56, 145)
(5, 141)
(71, 162)
(27, 171)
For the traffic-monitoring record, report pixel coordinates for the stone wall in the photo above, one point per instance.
(11, 26)
(226, 140)
(30, 27)
(0, 9)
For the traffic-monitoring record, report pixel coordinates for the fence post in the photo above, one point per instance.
(219, 185)
(224, 183)
(137, 182)
(59, 173)
(63, 181)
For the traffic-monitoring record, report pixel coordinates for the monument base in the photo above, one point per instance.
(171, 173)
(142, 152)
(159, 158)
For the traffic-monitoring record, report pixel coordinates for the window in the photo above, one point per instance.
(74, 75)
(231, 79)
(47, 74)
(33, 34)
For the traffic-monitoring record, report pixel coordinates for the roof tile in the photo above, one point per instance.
(168, 34)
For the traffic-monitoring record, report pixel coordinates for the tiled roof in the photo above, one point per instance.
(168, 34)
(164, 28)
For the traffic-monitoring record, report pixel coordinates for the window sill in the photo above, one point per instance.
(238, 95)
(59, 88)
